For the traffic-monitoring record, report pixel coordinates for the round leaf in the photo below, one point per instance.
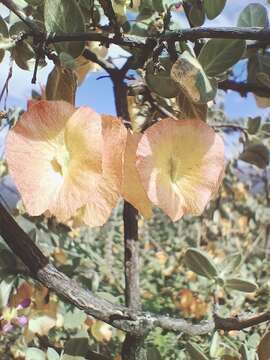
(257, 154)
(200, 263)
(52, 354)
(241, 285)
(264, 347)
(34, 354)
(159, 81)
(197, 14)
(61, 85)
(65, 16)
(214, 7)
(253, 15)
(253, 125)
(76, 346)
(231, 263)
(218, 55)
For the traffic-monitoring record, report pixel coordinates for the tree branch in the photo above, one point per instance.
(133, 346)
(116, 315)
(245, 33)
(104, 64)
(192, 34)
(244, 87)
(48, 275)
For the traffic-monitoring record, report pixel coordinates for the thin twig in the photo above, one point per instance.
(5, 87)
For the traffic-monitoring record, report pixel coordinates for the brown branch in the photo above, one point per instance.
(116, 315)
(103, 63)
(48, 275)
(132, 270)
(192, 34)
(235, 323)
(245, 33)
(244, 87)
(133, 348)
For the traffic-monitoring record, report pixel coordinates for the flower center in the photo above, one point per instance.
(61, 160)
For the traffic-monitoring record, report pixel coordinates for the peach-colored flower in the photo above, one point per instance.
(63, 160)
(180, 163)
(132, 189)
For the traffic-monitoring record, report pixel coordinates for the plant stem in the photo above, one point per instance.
(133, 348)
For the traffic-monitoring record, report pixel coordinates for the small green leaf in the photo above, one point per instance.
(213, 7)
(61, 85)
(195, 352)
(200, 263)
(256, 154)
(231, 264)
(253, 15)
(264, 347)
(253, 125)
(65, 16)
(197, 14)
(215, 345)
(34, 354)
(52, 354)
(24, 56)
(241, 285)
(159, 81)
(218, 55)
(76, 347)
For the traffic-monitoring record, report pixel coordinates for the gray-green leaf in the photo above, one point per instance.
(65, 16)
(200, 263)
(34, 354)
(213, 7)
(253, 124)
(218, 55)
(256, 154)
(253, 15)
(159, 81)
(241, 285)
